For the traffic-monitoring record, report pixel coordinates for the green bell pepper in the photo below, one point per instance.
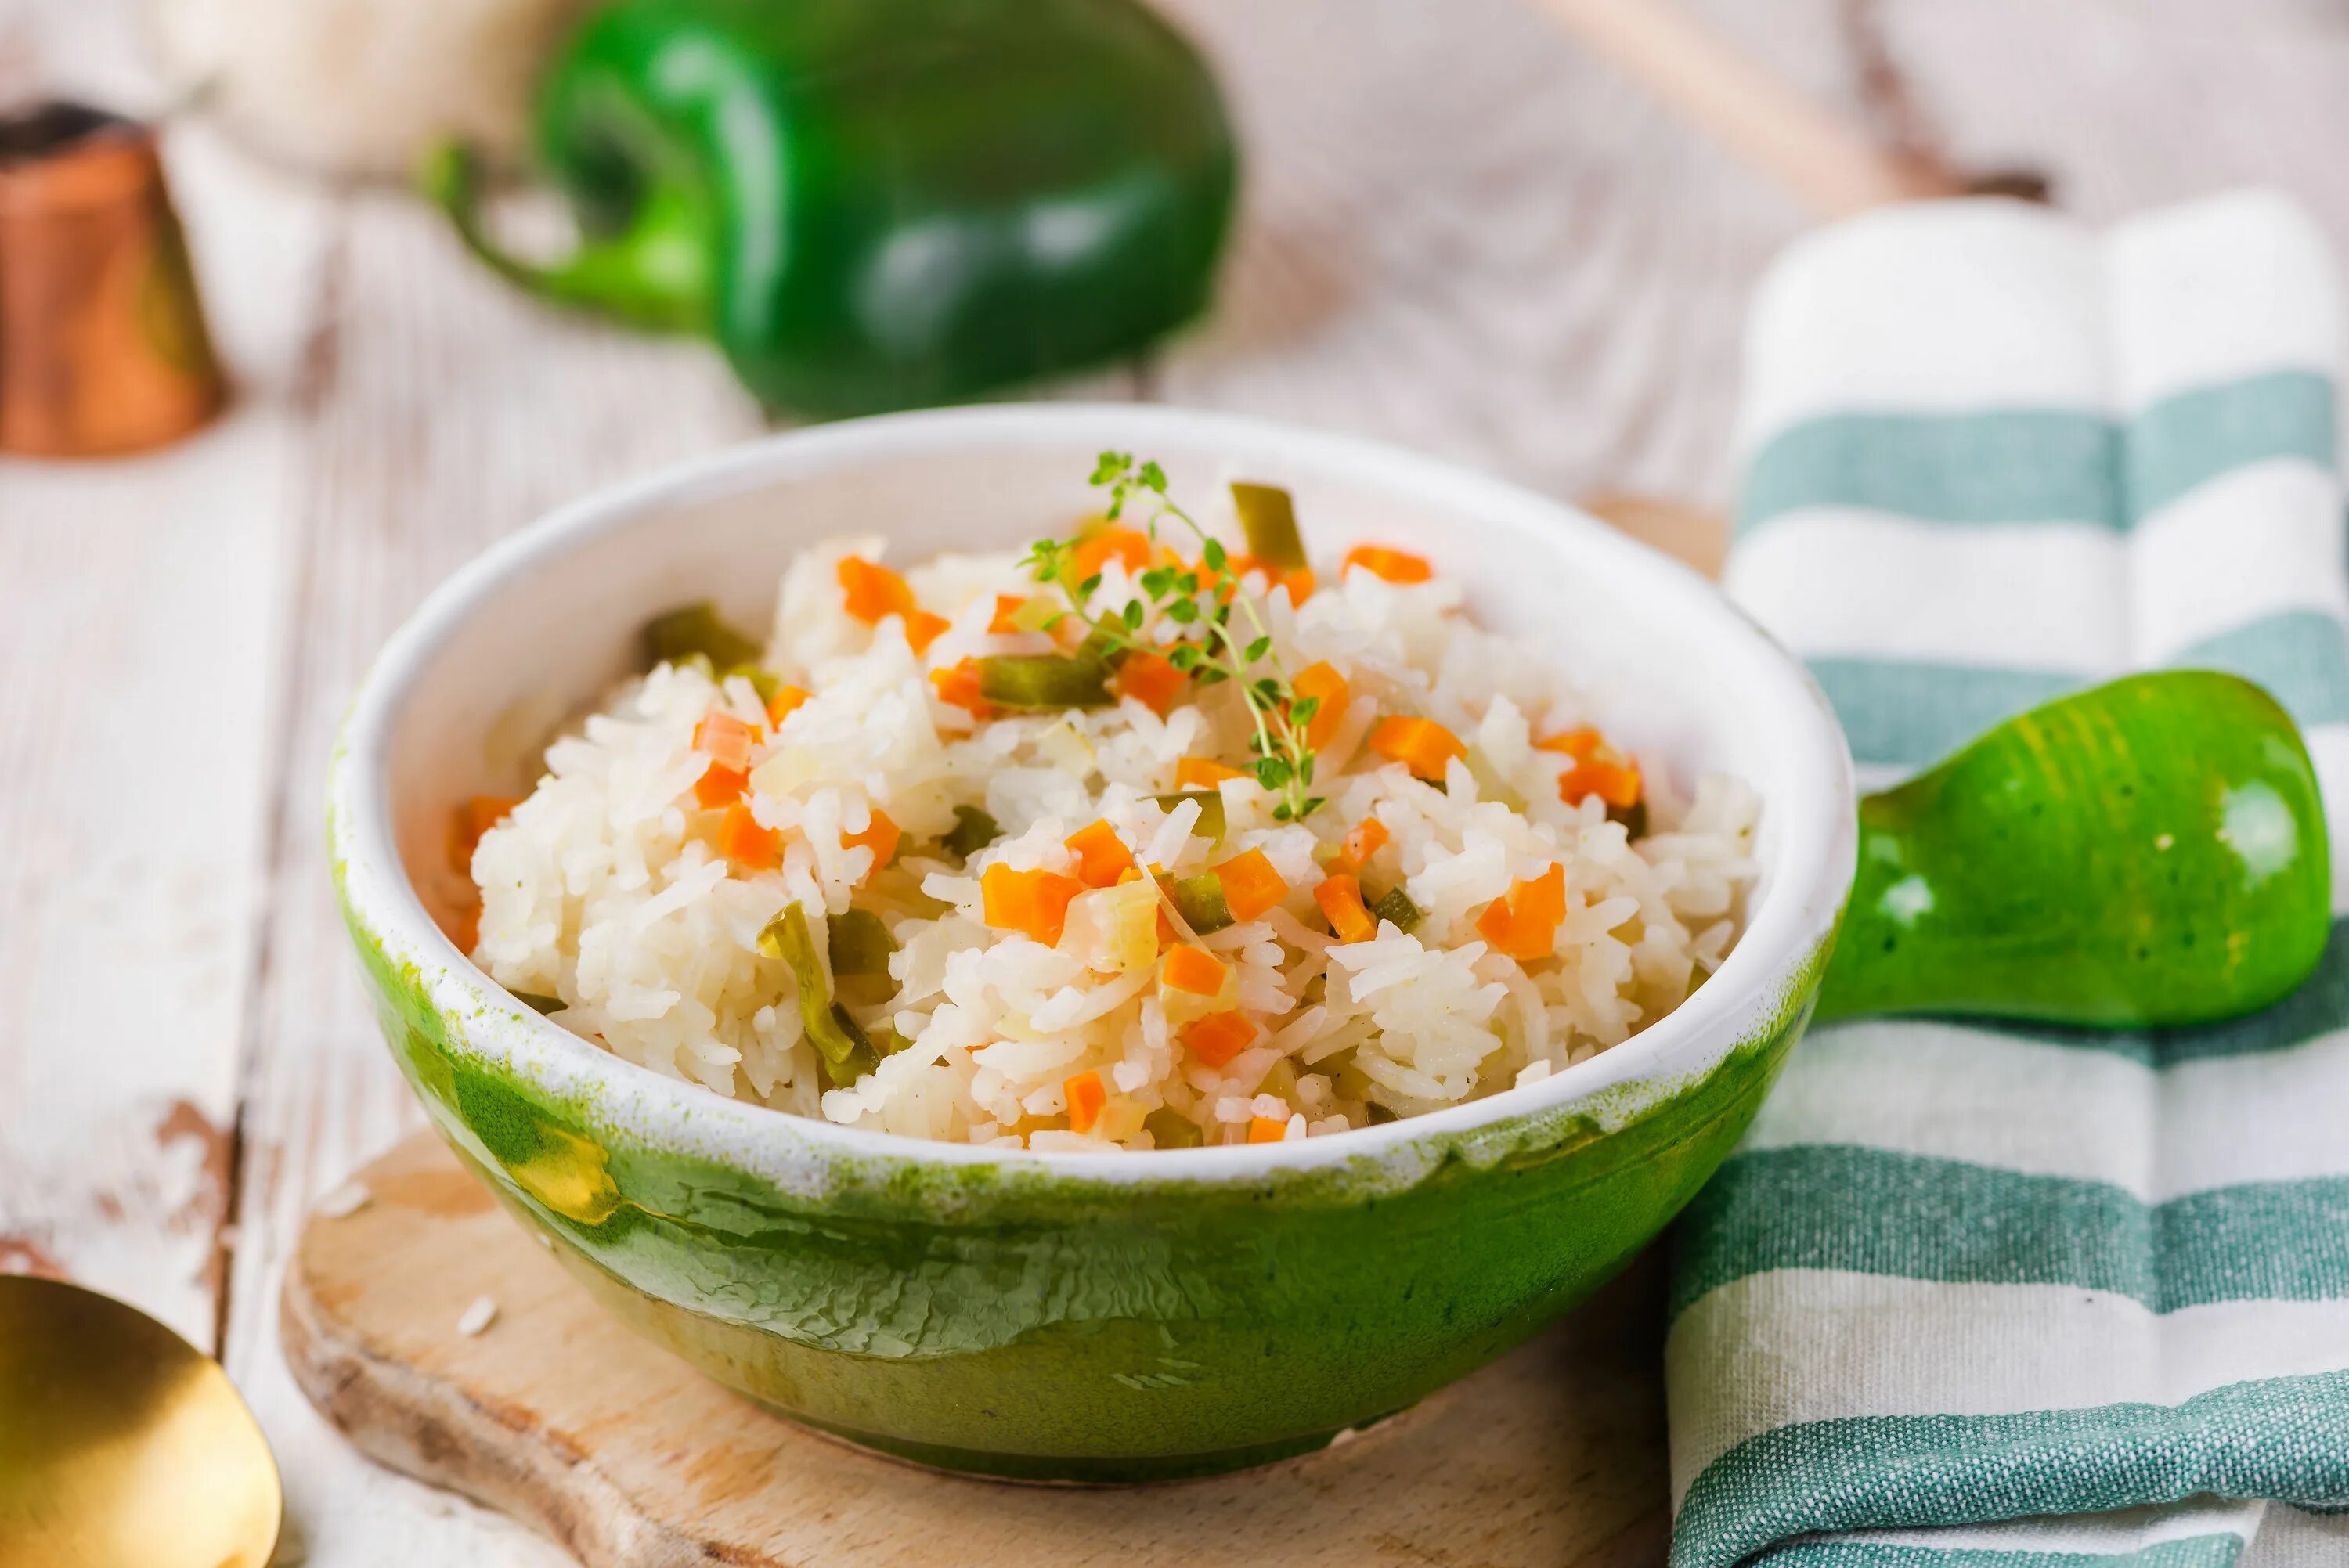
(1396, 909)
(1211, 822)
(1199, 900)
(974, 830)
(873, 204)
(847, 1051)
(1039, 682)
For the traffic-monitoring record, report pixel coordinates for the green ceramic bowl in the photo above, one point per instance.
(1072, 1317)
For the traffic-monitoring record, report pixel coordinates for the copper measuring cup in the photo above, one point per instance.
(103, 347)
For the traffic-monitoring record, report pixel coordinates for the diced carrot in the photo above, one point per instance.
(1544, 897)
(1096, 550)
(1216, 1038)
(1323, 682)
(1500, 926)
(1151, 681)
(1034, 903)
(959, 687)
(1251, 887)
(1201, 773)
(1422, 745)
(1193, 969)
(1363, 840)
(873, 591)
(1341, 898)
(1616, 783)
(1006, 606)
(1523, 925)
(726, 739)
(1394, 565)
(1266, 1128)
(922, 629)
(1599, 769)
(720, 786)
(784, 703)
(742, 841)
(1580, 743)
(1297, 580)
(1103, 859)
(475, 818)
(486, 811)
(1086, 1098)
(880, 836)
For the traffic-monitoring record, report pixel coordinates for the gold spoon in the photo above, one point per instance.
(121, 1445)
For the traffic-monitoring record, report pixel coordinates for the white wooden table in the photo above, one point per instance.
(1458, 234)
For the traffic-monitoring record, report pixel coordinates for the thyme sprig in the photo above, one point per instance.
(1202, 602)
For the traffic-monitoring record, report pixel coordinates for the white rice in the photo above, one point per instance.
(601, 888)
(475, 1320)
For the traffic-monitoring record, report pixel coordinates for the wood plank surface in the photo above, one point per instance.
(1459, 233)
(1463, 234)
(142, 637)
(445, 414)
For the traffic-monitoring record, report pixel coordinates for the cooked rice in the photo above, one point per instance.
(603, 888)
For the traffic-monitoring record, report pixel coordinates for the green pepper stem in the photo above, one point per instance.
(653, 275)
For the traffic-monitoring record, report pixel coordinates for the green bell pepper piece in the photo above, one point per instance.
(1268, 522)
(1397, 909)
(1169, 1128)
(861, 944)
(699, 631)
(873, 204)
(847, 1050)
(1043, 681)
(1211, 822)
(1199, 900)
(974, 830)
(766, 682)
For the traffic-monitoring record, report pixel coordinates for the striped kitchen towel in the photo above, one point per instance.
(2012, 1298)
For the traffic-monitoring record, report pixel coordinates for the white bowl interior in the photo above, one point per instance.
(544, 623)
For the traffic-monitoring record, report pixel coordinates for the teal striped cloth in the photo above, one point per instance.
(1977, 1298)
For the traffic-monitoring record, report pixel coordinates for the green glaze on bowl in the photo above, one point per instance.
(1041, 1324)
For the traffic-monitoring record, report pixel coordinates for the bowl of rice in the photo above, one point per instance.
(1088, 944)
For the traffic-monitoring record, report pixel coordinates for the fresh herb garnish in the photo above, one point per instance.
(1201, 602)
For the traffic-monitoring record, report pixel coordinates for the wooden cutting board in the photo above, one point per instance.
(559, 1416)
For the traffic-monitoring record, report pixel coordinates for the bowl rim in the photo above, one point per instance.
(1787, 929)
